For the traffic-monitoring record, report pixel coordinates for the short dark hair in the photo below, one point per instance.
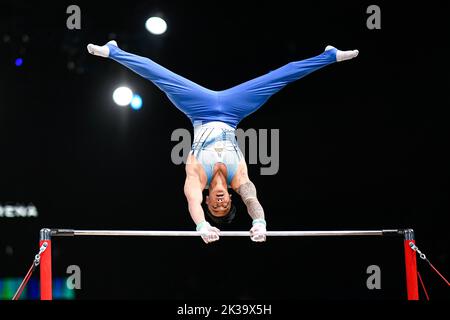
(226, 219)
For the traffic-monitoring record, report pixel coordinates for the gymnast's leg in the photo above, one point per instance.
(247, 97)
(186, 95)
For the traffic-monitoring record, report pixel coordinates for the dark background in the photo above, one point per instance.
(363, 145)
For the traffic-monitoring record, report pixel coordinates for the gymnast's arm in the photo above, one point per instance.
(194, 196)
(247, 190)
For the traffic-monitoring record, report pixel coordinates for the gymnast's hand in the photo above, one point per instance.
(258, 231)
(208, 232)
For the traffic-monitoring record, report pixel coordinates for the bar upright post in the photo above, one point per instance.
(412, 287)
(46, 265)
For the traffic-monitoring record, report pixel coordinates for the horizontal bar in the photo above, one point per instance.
(140, 233)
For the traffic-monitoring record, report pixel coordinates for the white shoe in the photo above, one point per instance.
(343, 55)
(102, 51)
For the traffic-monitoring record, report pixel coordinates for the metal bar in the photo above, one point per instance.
(141, 233)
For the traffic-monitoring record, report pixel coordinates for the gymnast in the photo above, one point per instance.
(215, 161)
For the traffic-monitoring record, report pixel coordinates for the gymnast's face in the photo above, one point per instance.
(218, 201)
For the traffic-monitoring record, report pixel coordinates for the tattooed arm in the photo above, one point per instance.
(247, 191)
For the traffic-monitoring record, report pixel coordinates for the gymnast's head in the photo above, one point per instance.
(220, 208)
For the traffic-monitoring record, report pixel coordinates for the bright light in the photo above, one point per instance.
(122, 96)
(156, 25)
(19, 62)
(136, 102)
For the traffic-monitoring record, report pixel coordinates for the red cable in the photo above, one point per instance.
(24, 282)
(438, 272)
(423, 286)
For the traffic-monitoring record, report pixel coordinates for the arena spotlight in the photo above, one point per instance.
(156, 25)
(122, 96)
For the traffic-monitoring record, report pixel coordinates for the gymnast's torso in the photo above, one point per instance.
(215, 148)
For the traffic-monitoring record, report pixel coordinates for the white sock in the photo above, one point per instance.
(102, 51)
(343, 55)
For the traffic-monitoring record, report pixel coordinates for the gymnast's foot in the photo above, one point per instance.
(102, 51)
(343, 55)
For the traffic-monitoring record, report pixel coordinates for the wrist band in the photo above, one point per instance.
(259, 221)
(200, 225)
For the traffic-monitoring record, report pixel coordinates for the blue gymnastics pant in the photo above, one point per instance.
(202, 105)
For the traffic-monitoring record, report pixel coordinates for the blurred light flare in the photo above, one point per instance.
(18, 62)
(136, 102)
